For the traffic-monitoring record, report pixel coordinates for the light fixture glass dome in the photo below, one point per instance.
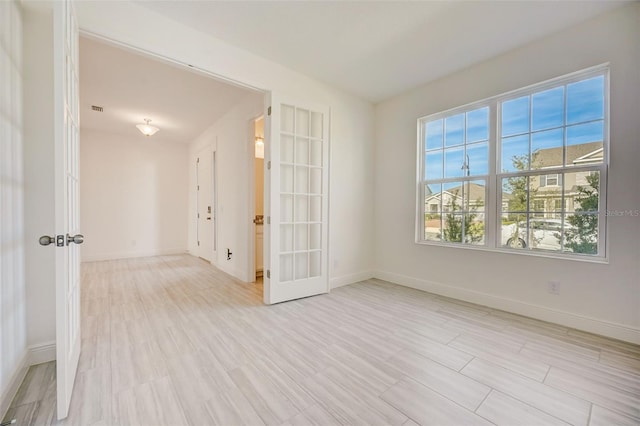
(147, 129)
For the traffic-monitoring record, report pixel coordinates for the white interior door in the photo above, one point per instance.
(67, 224)
(296, 199)
(205, 204)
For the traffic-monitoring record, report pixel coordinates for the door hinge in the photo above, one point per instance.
(198, 160)
(268, 165)
(269, 111)
(198, 215)
(198, 187)
(268, 220)
(198, 243)
(268, 273)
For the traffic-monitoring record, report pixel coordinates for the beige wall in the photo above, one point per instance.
(133, 196)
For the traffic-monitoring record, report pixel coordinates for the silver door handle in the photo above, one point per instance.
(45, 240)
(78, 239)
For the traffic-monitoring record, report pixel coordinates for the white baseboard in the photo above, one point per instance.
(567, 319)
(350, 279)
(9, 392)
(43, 352)
(131, 254)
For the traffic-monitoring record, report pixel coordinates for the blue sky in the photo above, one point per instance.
(537, 120)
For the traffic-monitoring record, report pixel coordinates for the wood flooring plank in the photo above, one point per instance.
(600, 393)
(502, 409)
(425, 406)
(461, 389)
(603, 417)
(349, 407)
(557, 403)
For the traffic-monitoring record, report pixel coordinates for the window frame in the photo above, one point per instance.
(493, 193)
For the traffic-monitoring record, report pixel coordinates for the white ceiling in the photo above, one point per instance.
(377, 49)
(131, 87)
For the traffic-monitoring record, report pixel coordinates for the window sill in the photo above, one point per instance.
(541, 253)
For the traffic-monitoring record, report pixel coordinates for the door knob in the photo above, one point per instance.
(78, 239)
(45, 240)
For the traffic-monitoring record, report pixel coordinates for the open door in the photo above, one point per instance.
(296, 199)
(66, 139)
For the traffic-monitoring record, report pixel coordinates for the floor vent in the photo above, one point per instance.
(97, 108)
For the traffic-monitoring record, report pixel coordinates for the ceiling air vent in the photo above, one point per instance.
(97, 108)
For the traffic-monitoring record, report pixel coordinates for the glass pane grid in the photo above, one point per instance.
(301, 192)
(557, 128)
(564, 125)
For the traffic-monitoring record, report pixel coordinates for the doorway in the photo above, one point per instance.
(258, 221)
(206, 204)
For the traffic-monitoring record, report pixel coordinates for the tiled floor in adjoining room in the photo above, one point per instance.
(172, 340)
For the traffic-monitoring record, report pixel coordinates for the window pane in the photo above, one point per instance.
(454, 130)
(433, 165)
(515, 153)
(474, 196)
(515, 194)
(581, 233)
(432, 198)
(548, 109)
(515, 116)
(453, 162)
(585, 133)
(452, 197)
(581, 190)
(478, 159)
(478, 125)
(432, 227)
(585, 100)
(546, 149)
(433, 134)
(544, 233)
(452, 228)
(474, 229)
(584, 144)
(513, 231)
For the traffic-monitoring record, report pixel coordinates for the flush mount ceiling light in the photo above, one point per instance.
(147, 129)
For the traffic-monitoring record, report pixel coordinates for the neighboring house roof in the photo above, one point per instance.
(583, 153)
(475, 192)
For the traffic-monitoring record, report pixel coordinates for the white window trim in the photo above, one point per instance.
(493, 195)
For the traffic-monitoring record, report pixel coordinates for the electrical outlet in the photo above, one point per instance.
(554, 287)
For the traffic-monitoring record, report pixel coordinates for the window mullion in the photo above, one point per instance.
(493, 203)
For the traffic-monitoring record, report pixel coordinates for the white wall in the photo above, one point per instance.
(604, 298)
(351, 199)
(13, 332)
(229, 137)
(133, 196)
(39, 170)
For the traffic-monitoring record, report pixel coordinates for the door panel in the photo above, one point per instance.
(297, 182)
(67, 177)
(205, 208)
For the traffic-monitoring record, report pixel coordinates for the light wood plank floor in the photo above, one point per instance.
(171, 340)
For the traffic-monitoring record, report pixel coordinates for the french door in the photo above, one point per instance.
(67, 257)
(296, 199)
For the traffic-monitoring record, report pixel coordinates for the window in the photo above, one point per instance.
(455, 174)
(550, 180)
(535, 153)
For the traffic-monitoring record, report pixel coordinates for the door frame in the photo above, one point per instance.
(251, 237)
(267, 95)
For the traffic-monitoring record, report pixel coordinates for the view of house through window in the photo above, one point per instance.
(548, 145)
